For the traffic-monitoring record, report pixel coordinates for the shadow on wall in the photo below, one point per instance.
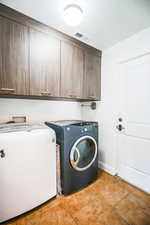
(101, 155)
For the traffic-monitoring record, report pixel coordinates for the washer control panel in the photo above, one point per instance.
(83, 128)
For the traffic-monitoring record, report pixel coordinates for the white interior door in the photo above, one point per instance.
(134, 135)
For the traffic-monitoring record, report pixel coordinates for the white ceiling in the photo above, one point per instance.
(105, 22)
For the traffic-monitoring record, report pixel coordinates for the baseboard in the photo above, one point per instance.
(106, 168)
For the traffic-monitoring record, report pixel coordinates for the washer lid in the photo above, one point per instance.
(4, 128)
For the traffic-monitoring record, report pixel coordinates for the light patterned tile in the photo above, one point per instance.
(52, 203)
(106, 177)
(90, 214)
(142, 195)
(112, 192)
(132, 212)
(107, 201)
(56, 216)
(78, 200)
(142, 203)
(137, 192)
(32, 218)
(111, 217)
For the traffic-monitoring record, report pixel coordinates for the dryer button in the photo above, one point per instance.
(85, 129)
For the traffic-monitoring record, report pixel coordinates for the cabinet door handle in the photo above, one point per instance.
(46, 93)
(73, 96)
(7, 89)
(92, 96)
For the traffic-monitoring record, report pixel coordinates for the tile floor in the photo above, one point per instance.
(107, 201)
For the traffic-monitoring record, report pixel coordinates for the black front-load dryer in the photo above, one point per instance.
(78, 142)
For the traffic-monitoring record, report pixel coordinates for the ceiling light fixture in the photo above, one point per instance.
(73, 15)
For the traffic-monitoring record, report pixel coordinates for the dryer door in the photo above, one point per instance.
(83, 153)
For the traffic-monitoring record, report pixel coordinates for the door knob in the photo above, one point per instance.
(120, 127)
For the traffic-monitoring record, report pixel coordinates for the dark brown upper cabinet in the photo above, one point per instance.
(13, 58)
(92, 77)
(37, 61)
(44, 64)
(72, 70)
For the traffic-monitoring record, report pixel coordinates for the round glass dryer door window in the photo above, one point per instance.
(83, 153)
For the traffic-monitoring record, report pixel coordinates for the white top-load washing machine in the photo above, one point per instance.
(27, 168)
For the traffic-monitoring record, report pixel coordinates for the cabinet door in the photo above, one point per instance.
(72, 65)
(44, 64)
(92, 77)
(13, 58)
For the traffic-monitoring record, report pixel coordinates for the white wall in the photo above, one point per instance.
(107, 110)
(39, 110)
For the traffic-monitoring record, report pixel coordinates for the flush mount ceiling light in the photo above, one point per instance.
(73, 15)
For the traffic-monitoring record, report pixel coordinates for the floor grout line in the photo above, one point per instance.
(117, 203)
